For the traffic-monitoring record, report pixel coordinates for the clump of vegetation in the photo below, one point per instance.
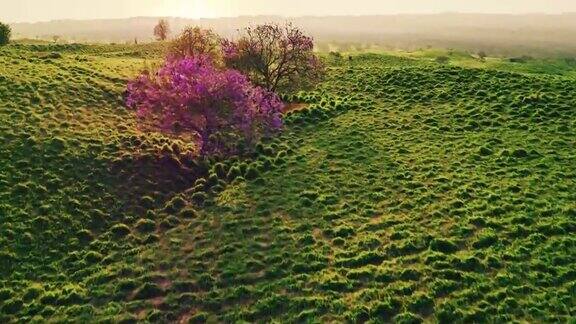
(226, 113)
(5, 33)
(482, 55)
(442, 59)
(162, 30)
(335, 56)
(145, 225)
(197, 42)
(520, 59)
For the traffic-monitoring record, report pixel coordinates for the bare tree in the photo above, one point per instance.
(162, 30)
(275, 57)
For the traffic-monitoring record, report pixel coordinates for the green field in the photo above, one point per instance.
(406, 191)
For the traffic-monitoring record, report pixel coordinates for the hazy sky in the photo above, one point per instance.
(41, 10)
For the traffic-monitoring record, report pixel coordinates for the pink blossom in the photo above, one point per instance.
(221, 107)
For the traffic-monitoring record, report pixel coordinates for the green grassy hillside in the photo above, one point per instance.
(406, 191)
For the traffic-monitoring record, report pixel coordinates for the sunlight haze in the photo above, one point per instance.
(44, 10)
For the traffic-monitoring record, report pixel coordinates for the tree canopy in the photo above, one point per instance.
(5, 34)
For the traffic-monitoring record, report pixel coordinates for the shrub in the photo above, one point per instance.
(170, 222)
(442, 60)
(199, 197)
(335, 56)
(421, 303)
(520, 153)
(189, 213)
(386, 308)
(93, 257)
(6, 293)
(146, 225)
(200, 317)
(126, 285)
(12, 306)
(5, 33)
(448, 313)
(84, 235)
(482, 55)
(219, 107)
(485, 151)
(7, 260)
(408, 318)
(175, 204)
(149, 290)
(485, 240)
(31, 293)
(147, 202)
(194, 42)
(520, 59)
(442, 245)
(252, 173)
(161, 30)
(275, 57)
(120, 230)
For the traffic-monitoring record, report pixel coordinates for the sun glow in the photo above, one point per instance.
(198, 9)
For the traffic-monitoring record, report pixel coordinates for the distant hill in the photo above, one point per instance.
(498, 34)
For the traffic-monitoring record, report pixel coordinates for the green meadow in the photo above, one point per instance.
(402, 190)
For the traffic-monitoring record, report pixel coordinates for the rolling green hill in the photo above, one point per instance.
(405, 191)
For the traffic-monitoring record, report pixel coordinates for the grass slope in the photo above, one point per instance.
(406, 192)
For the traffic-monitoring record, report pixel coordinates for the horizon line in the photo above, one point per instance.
(296, 17)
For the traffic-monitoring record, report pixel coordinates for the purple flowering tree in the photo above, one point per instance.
(220, 108)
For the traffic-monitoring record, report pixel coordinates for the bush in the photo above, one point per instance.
(93, 257)
(225, 113)
(31, 293)
(448, 313)
(6, 293)
(233, 173)
(442, 60)
(252, 173)
(520, 59)
(387, 308)
(5, 33)
(189, 213)
(149, 290)
(162, 30)
(442, 245)
(482, 55)
(53, 55)
(147, 202)
(199, 197)
(335, 56)
(175, 204)
(408, 318)
(120, 230)
(485, 240)
(170, 222)
(194, 42)
(198, 318)
(146, 225)
(12, 306)
(84, 236)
